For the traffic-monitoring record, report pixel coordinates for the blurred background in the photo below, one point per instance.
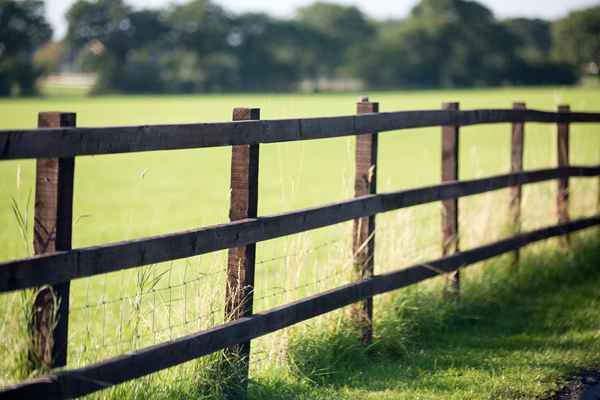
(200, 46)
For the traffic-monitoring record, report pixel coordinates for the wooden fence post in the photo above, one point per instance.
(562, 196)
(363, 237)
(241, 261)
(516, 165)
(52, 232)
(450, 239)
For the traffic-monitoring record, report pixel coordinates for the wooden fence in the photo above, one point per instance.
(57, 142)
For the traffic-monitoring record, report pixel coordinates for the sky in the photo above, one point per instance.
(548, 9)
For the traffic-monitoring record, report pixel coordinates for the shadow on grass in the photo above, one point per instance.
(513, 335)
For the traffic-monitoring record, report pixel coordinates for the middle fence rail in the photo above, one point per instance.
(61, 264)
(89, 261)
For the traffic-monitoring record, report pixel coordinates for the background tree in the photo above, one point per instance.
(343, 32)
(534, 64)
(443, 43)
(534, 37)
(198, 46)
(458, 43)
(23, 28)
(264, 47)
(577, 40)
(197, 55)
(110, 38)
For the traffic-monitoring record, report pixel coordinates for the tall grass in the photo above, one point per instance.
(19, 347)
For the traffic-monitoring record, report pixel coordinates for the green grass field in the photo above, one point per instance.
(120, 197)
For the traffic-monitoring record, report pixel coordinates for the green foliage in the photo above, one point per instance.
(198, 46)
(452, 43)
(23, 28)
(534, 37)
(198, 25)
(108, 34)
(577, 40)
(341, 30)
(268, 52)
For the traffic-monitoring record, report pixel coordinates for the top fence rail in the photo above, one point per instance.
(70, 142)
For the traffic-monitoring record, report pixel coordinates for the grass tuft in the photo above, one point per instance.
(326, 355)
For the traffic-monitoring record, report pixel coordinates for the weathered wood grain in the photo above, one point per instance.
(78, 382)
(516, 165)
(363, 234)
(69, 142)
(52, 232)
(562, 147)
(239, 293)
(78, 263)
(450, 157)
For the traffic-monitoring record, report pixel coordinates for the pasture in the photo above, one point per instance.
(120, 197)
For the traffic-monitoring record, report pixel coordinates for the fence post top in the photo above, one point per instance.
(450, 105)
(56, 119)
(564, 108)
(367, 107)
(246, 113)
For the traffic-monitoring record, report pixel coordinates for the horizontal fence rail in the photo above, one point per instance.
(78, 382)
(69, 142)
(66, 265)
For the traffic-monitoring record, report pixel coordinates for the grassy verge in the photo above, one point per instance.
(510, 337)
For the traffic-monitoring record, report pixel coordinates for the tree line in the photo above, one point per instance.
(199, 46)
